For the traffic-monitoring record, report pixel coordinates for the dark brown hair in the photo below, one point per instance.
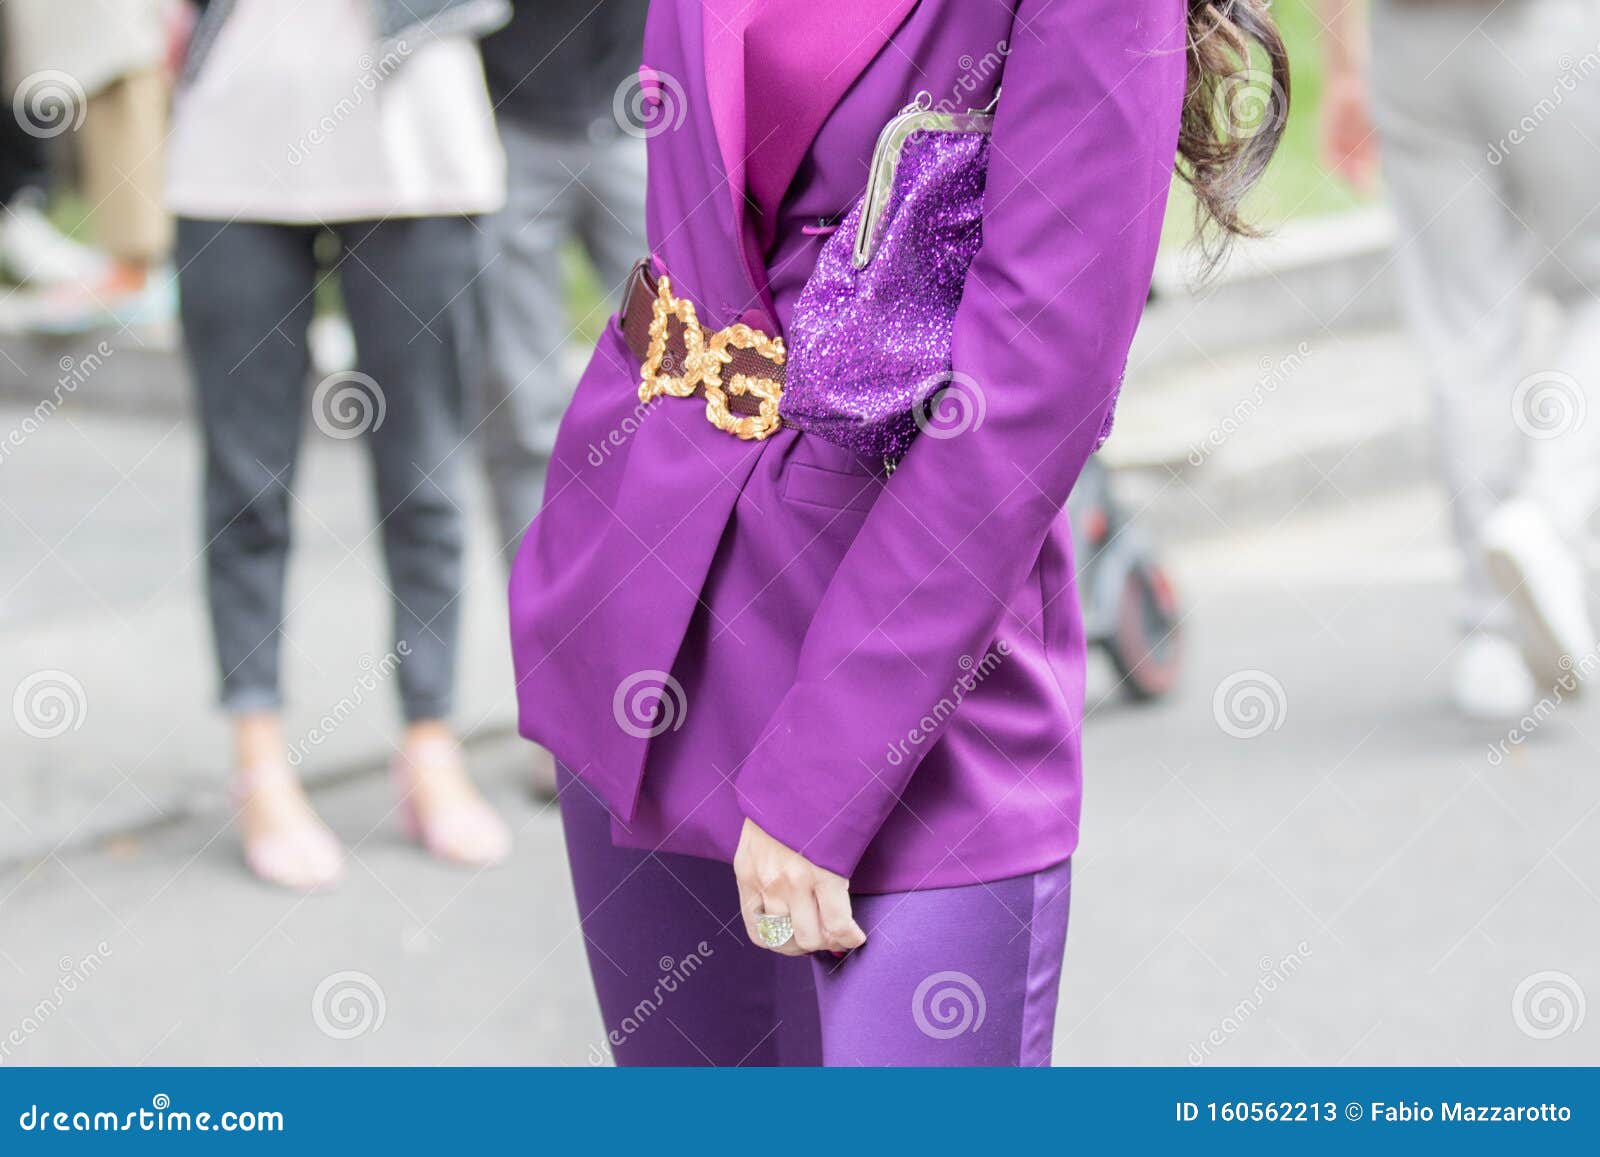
(1233, 114)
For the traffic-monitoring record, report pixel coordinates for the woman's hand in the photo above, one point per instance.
(777, 880)
(1349, 142)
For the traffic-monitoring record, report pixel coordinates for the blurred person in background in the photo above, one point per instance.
(575, 174)
(1489, 114)
(102, 71)
(369, 120)
(33, 252)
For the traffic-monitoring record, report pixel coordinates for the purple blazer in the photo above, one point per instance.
(884, 674)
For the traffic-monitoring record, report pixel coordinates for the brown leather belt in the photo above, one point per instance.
(737, 370)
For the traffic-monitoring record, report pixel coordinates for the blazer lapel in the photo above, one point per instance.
(799, 58)
(722, 35)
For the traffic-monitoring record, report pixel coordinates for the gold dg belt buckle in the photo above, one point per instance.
(704, 357)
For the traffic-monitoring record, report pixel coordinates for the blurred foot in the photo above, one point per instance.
(33, 251)
(1491, 681)
(1542, 578)
(125, 295)
(443, 810)
(285, 843)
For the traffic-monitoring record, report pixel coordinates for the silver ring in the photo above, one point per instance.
(774, 931)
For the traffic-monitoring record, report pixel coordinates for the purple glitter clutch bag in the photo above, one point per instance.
(869, 338)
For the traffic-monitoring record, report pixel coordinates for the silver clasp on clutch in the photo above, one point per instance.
(917, 117)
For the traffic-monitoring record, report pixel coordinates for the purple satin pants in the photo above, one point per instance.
(948, 976)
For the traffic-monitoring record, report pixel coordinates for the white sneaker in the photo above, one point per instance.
(1491, 681)
(34, 252)
(1543, 580)
(65, 310)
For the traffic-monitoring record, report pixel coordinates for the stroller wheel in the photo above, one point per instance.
(1146, 647)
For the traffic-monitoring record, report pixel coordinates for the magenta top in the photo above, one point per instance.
(884, 674)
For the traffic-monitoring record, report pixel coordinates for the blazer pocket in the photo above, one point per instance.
(830, 489)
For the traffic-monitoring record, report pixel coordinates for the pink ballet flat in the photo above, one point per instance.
(464, 832)
(305, 858)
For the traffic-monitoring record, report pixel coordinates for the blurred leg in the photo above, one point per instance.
(1553, 99)
(950, 976)
(246, 302)
(406, 284)
(613, 217)
(1463, 258)
(678, 982)
(524, 392)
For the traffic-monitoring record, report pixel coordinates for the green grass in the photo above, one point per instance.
(1296, 184)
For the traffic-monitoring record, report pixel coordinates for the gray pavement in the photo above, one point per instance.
(1340, 875)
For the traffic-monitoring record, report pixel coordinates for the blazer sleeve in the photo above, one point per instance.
(1080, 163)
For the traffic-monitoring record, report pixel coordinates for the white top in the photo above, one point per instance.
(296, 118)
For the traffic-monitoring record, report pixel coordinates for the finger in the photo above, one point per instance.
(808, 935)
(749, 907)
(838, 920)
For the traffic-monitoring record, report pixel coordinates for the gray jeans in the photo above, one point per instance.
(1490, 117)
(563, 189)
(247, 296)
